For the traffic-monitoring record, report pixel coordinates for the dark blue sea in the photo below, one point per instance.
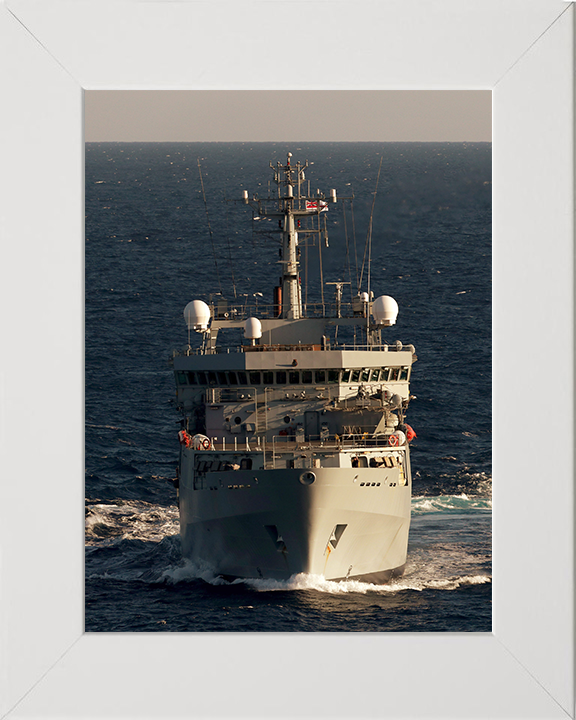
(153, 244)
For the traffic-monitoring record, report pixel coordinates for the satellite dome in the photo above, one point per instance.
(385, 310)
(253, 328)
(197, 315)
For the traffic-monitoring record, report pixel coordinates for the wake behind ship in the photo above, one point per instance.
(294, 448)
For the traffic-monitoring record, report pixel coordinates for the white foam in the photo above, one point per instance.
(131, 520)
(188, 570)
(450, 503)
(303, 581)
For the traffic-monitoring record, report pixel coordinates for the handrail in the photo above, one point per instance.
(344, 347)
(223, 311)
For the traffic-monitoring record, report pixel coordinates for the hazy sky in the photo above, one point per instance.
(276, 115)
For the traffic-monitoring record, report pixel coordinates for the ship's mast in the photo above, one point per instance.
(289, 205)
(287, 177)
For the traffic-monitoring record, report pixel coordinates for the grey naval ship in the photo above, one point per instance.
(294, 447)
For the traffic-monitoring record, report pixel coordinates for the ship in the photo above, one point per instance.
(294, 447)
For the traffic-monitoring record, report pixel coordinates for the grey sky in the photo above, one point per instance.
(275, 115)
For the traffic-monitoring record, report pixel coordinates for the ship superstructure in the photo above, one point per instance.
(294, 450)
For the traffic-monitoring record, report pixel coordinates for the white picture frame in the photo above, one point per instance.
(54, 50)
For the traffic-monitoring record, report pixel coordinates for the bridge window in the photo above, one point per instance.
(394, 372)
(320, 376)
(181, 377)
(404, 373)
(222, 379)
(333, 376)
(294, 377)
(280, 377)
(202, 378)
(232, 379)
(306, 377)
(268, 377)
(365, 374)
(211, 378)
(355, 376)
(254, 378)
(242, 378)
(346, 376)
(375, 373)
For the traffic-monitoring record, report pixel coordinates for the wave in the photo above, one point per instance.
(450, 504)
(130, 520)
(189, 571)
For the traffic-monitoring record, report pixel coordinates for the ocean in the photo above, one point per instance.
(153, 244)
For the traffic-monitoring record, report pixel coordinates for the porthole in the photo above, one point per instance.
(307, 478)
(287, 419)
(237, 420)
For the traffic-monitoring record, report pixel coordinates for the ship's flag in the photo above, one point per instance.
(312, 205)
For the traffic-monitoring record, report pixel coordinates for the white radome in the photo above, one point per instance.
(253, 328)
(385, 310)
(197, 315)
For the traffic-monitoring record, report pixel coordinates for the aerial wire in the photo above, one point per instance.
(209, 226)
(368, 246)
(355, 245)
(230, 253)
(347, 248)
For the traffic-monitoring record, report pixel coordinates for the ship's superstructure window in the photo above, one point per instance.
(333, 376)
(293, 377)
(185, 377)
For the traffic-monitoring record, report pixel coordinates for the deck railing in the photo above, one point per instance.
(282, 447)
(242, 311)
(344, 347)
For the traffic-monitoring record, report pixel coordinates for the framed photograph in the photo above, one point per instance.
(57, 51)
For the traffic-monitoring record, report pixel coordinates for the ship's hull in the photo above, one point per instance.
(338, 522)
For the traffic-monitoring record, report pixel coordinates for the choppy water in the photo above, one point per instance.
(148, 252)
